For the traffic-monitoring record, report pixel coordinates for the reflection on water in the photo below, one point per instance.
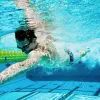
(72, 20)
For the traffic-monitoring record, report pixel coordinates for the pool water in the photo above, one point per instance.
(70, 21)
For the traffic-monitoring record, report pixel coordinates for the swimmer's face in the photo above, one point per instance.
(26, 46)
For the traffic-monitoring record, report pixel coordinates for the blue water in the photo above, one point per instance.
(76, 20)
(71, 21)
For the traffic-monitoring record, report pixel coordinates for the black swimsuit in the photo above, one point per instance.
(70, 55)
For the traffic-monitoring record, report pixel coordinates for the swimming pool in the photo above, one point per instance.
(72, 21)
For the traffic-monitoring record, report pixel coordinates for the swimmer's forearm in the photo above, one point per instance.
(28, 10)
(32, 18)
(16, 69)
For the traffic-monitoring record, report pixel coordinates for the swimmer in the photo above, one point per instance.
(39, 45)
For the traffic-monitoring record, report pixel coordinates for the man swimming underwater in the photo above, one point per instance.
(39, 45)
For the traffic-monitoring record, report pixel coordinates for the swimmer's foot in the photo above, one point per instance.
(84, 52)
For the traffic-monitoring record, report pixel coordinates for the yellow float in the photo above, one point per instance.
(11, 56)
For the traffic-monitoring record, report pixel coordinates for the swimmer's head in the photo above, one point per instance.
(26, 39)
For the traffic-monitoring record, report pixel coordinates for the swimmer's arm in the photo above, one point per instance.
(32, 18)
(18, 68)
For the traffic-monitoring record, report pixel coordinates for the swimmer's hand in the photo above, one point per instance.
(22, 4)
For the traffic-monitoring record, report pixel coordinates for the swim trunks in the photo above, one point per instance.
(70, 55)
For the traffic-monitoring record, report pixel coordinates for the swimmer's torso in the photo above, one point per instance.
(54, 55)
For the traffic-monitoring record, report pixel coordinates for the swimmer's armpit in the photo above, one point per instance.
(18, 68)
